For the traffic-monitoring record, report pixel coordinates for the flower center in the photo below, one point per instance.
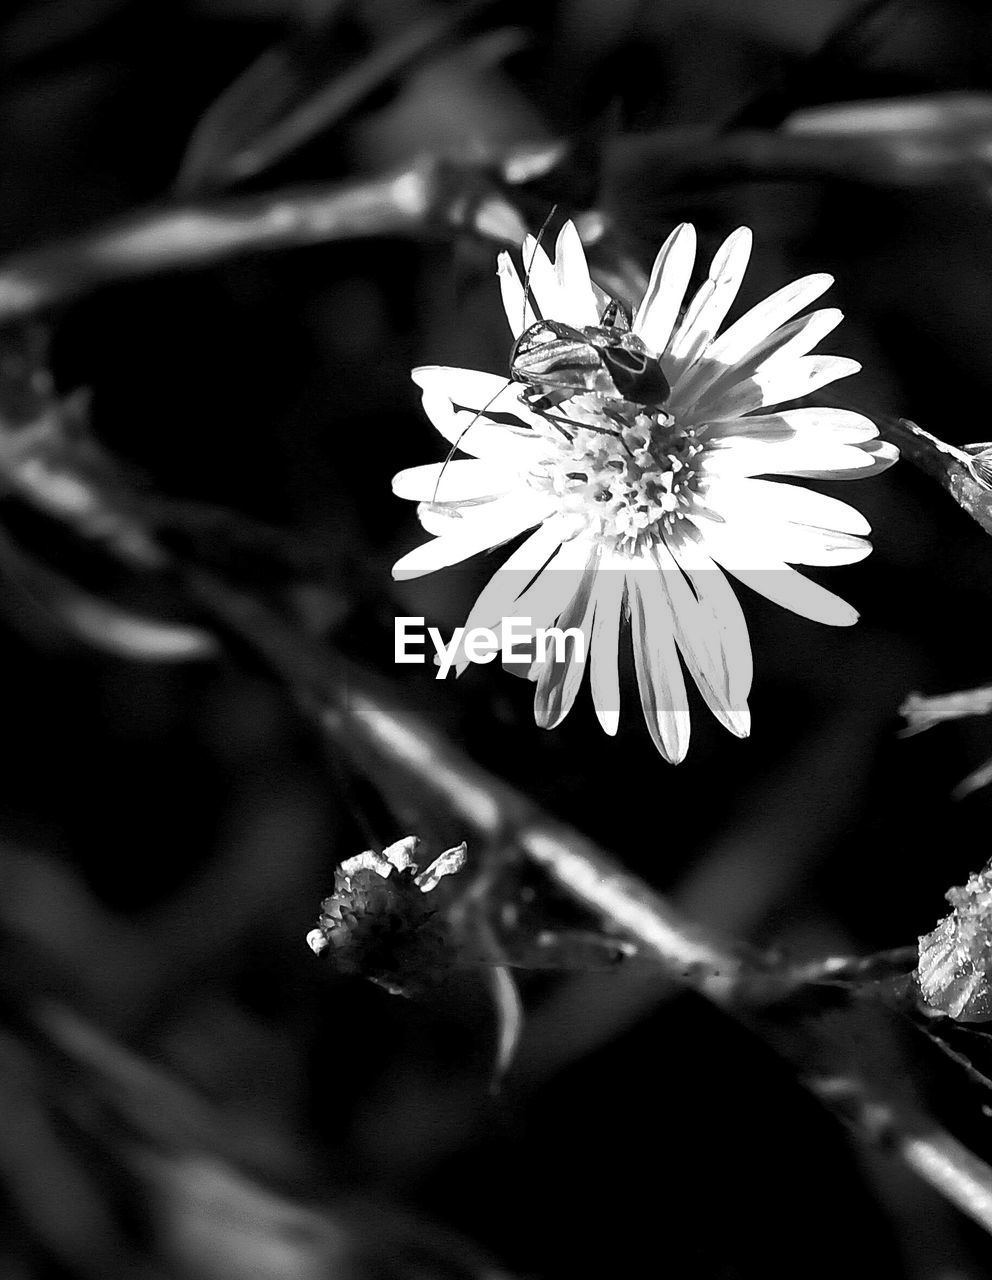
(630, 472)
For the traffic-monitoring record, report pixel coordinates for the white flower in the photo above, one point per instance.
(639, 505)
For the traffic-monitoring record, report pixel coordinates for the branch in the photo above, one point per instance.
(951, 467)
(425, 196)
(933, 1154)
(371, 727)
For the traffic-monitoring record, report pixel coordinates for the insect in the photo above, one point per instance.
(559, 361)
(556, 361)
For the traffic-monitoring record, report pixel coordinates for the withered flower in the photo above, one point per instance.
(956, 958)
(380, 921)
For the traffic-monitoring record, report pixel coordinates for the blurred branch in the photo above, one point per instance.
(211, 160)
(371, 726)
(858, 970)
(932, 1153)
(407, 756)
(440, 195)
(923, 713)
(905, 142)
(951, 467)
(209, 1190)
(427, 197)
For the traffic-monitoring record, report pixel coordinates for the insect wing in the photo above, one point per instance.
(557, 357)
(636, 375)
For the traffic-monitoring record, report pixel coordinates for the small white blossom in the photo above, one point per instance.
(640, 509)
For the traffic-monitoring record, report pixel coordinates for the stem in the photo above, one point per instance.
(948, 465)
(184, 236)
(371, 727)
(932, 1153)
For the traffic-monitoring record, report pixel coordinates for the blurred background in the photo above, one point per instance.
(185, 1091)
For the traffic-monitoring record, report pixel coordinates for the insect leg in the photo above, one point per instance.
(461, 436)
(530, 265)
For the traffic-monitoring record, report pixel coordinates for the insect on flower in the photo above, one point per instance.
(558, 361)
(636, 460)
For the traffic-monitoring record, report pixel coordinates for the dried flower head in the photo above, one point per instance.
(380, 922)
(956, 958)
(634, 451)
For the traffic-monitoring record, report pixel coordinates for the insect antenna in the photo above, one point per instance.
(530, 265)
(509, 382)
(461, 436)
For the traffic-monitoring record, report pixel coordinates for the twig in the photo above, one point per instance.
(924, 712)
(951, 467)
(318, 112)
(858, 970)
(935, 1155)
(444, 194)
(681, 159)
(421, 198)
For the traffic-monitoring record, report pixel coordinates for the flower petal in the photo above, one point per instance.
(541, 281)
(660, 305)
(711, 379)
(499, 596)
(791, 502)
(519, 313)
(699, 643)
(560, 675)
(762, 320)
(765, 533)
(656, 662)
(715, 593)
(480, 520)
(604, 646)
(774, 384)
(838, 426)
(578, 303)
(773, 579)
(785, 458)
(881, 456)
(464, 480)
(711, 303)
(490, 525)
(457, 402)
(549, 594)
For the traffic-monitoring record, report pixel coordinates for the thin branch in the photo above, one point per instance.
(318, 112)
(932, 1153)
(950, 466)
(858, 971)
(945, 149)
(422, 198)
(460, 191)
(924, 712)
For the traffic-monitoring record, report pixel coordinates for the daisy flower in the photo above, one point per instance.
(641, 504)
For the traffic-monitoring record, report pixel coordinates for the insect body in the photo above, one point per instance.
(556, 359)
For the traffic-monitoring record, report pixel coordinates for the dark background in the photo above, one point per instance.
(169, 830)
